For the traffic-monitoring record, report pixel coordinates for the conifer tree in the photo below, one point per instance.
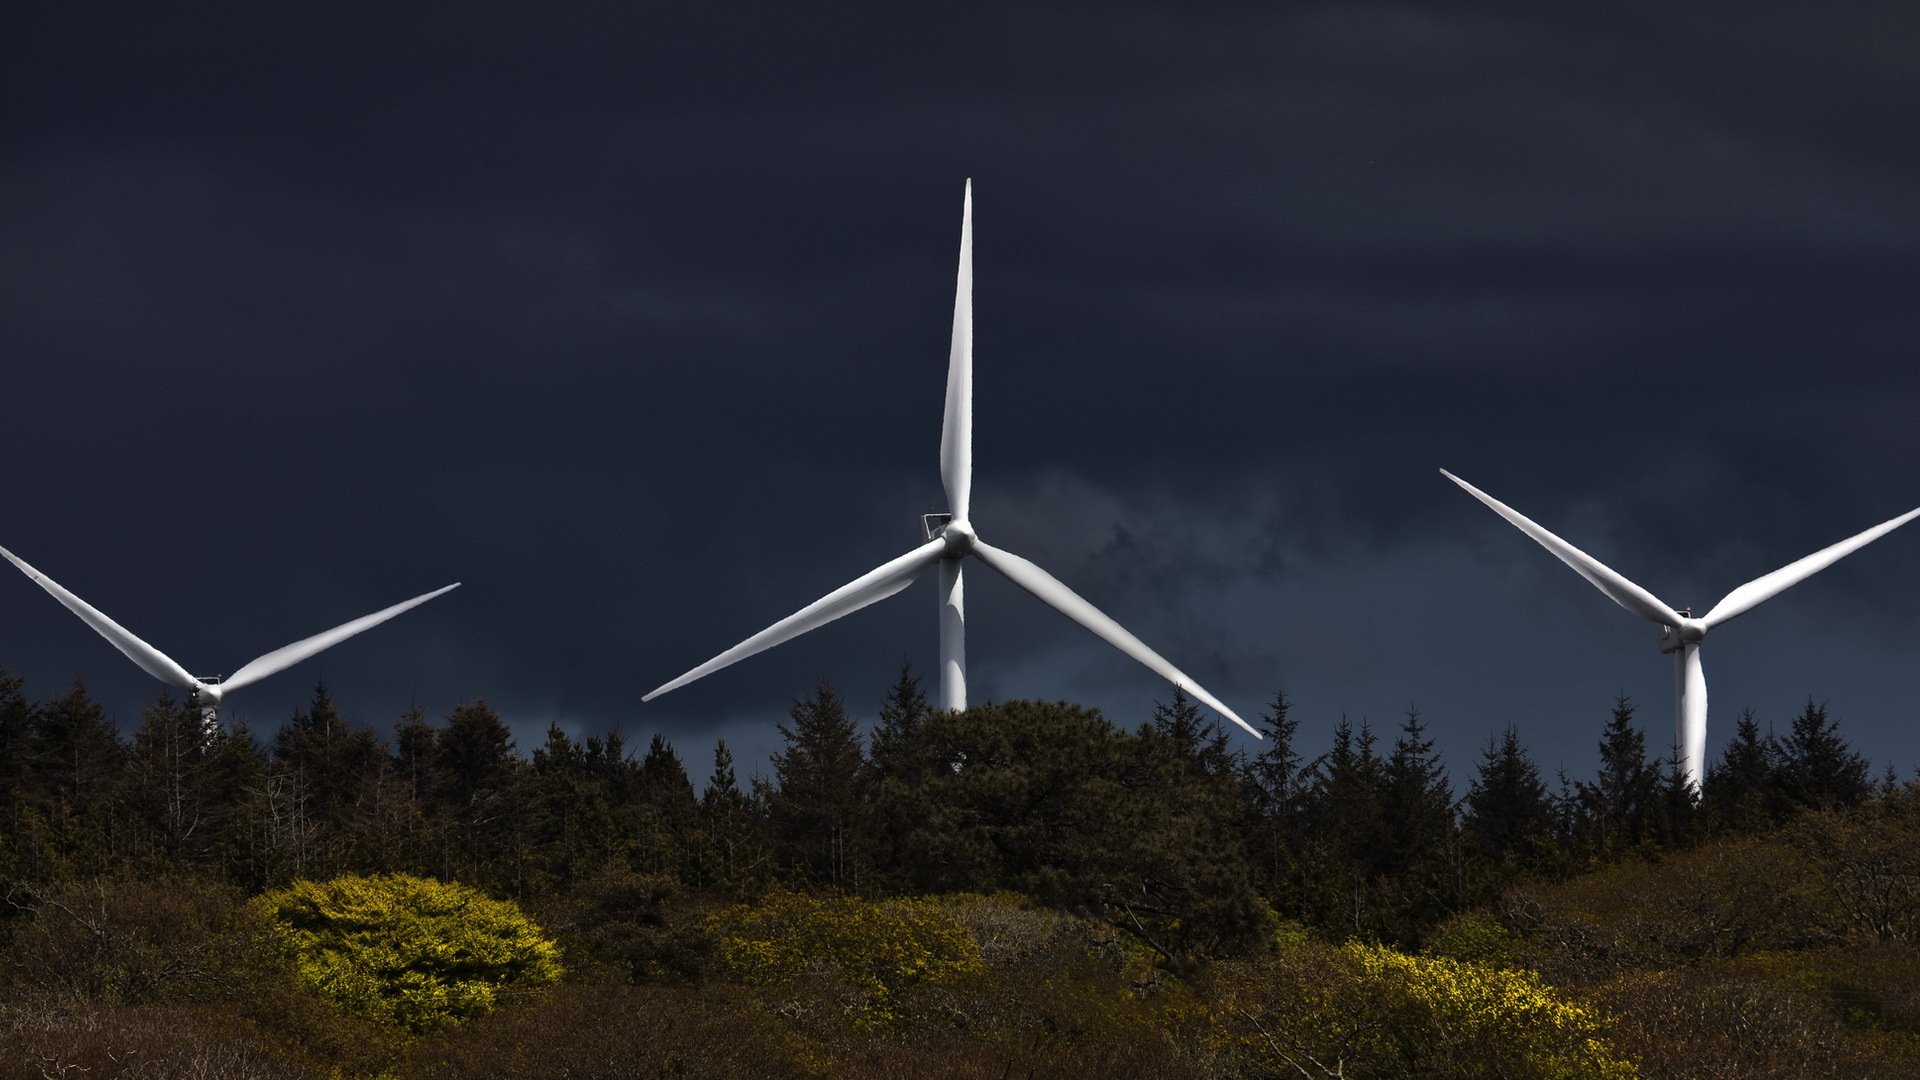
(1274, 783)
(1817, 769)
(1419, 856)
(169, 753)
(16, 751)
(819, 796)
(1739, 788)
(666, 822)
(1617, 810)
(901, 714)
(475, 769)
(733, 854)
(1509, 816)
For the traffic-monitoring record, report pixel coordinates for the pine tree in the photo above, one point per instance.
(1509, 815)
(1274, 780)
(733, 854)
(817, 804)
(901, 714)
(476, 773)
(1617, 810)
(169, 753)
(666, 823)
(1419, 856)
(1817, 769)
(1739, 789)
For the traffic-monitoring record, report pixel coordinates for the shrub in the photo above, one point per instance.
(875, 948)
(1321, 1010)
(407, 950)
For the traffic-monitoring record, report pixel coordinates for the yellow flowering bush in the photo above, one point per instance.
(406, 950)
(1478, 1012)
(1363, 1010)
(877, 948)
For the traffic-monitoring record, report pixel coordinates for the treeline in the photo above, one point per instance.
(1165, 831)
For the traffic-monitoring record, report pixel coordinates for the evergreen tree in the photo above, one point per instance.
(475, 768)
(1679, 805)
(818, 803)
(1509, 816)
(169, 753)
(1817, 768)
(78, 769)
(666, 826)
(1274, 786)
(16, 751)
(901, 714)
(733, 854)
(1419, 857)
(1346, 827)
(1194, 735)
(1618, 810)
(325, 771)
(1740, 787)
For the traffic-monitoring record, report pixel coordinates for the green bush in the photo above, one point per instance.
(407, 950)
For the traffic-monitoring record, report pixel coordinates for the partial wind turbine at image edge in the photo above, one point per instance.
(1680, 632)
(950, 540)
(210, 690)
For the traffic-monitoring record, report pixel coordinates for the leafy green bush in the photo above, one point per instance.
(876, 948)
(407, 950)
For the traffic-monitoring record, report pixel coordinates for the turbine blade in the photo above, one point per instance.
(1067, 602)
(1764, 588)
(288, 655)
(1618, 588)
(956, 432)
(151, 660)
(871, 587)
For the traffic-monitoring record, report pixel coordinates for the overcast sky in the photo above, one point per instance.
(636, 322)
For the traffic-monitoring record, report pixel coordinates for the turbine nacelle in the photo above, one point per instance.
(1687, 631)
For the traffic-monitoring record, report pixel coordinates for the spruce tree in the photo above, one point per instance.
(1509, 817)
(1739, 789)
(818, 802)
(1274, 782)
(1617, 810)
(1818, 770)
(901, 714)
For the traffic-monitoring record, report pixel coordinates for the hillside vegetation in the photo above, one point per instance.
(1024, 889)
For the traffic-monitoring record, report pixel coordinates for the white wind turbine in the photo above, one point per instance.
(1681, 633)
(951, 540)
(212, 689)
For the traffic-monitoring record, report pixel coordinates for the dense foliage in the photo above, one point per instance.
(407, 950)
(1023, 889)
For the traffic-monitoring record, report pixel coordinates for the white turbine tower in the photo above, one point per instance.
(211, 690)
(1681, 633)
(951, 539)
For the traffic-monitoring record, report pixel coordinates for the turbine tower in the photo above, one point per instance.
(950, 541)
(211, 689)
(1681, 633)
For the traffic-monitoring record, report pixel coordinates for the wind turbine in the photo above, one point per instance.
(950, 541)
(210, 690)
(1680, 632)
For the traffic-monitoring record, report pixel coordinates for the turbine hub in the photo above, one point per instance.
(959, 536)
(1685, 631)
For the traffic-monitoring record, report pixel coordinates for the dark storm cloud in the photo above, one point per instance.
(636, 321)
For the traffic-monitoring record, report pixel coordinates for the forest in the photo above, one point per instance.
(1024, 889)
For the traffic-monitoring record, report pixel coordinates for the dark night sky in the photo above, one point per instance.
(636, 322)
